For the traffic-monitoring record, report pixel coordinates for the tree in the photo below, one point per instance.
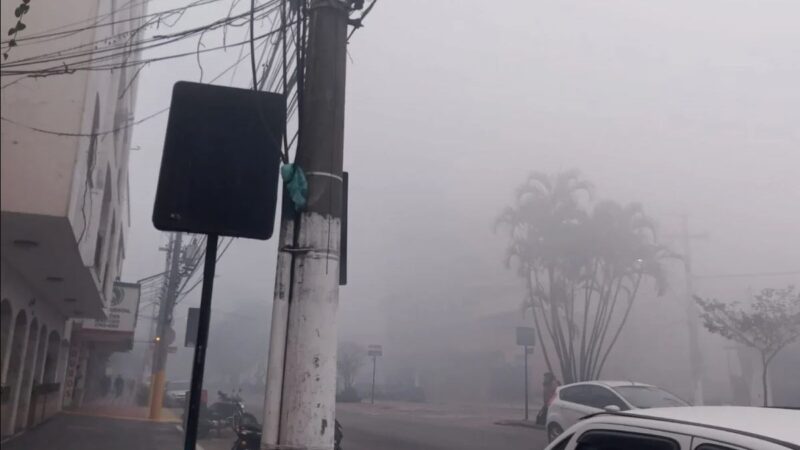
(583, 264)
(349, 360)
(768, 325)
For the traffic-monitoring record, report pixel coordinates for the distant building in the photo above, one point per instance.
(65, 146)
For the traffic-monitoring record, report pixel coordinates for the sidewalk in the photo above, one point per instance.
(74, 431)
(487, 413)
(127, 412)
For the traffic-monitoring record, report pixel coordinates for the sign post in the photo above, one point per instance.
(526, 337)
(374, 351)
(218, 177)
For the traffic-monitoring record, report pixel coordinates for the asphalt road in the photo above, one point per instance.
(382, 427)
(366, 429)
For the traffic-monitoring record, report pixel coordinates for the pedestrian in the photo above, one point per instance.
(131, 388)
(119, 385)
(105, 386)
(549, 386)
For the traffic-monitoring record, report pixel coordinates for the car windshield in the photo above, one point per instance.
(648, 397)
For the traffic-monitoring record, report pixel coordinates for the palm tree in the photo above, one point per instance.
(580, 263)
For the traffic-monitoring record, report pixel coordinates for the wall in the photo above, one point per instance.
(37, 168)
(30, 356)
(70, 176)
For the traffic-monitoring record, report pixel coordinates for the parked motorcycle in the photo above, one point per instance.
(248, 435)
(228, 411)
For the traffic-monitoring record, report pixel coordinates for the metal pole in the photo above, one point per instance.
(372, 394)
(277, 333)
(198, 366)
(526, 382)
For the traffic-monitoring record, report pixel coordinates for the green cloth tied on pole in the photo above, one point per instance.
(295, 181)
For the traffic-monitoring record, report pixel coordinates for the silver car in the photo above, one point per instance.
(175, 395)
(573, 401)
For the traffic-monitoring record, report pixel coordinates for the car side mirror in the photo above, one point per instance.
(612, 408)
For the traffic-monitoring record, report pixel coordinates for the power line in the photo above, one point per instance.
(196, 283)
(65, 66)
(748, 275)
(103, 133)
(66, 134)
(52, 34)
(95, 20)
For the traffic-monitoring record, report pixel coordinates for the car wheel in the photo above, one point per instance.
(554, 430)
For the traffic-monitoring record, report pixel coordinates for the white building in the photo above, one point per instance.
(65, 194)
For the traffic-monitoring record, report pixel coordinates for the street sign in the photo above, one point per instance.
(526, 336)
(219, 169)
(375, 350)
(121, 312)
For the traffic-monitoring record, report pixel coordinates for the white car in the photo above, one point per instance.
(573, 401)
(686, 428)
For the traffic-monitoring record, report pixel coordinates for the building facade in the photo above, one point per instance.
(64, 169)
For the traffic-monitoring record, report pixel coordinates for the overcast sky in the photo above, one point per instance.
(687, 106)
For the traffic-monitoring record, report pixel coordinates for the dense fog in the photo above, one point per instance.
(689, 109)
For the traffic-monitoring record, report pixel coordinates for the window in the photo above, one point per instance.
(120, 253)
(105, 212)
(600, 397)
(592, 395)
(622, 440)
(574, 394)
(563, 444)
(648, 396)
(111, 270)
(91, 159)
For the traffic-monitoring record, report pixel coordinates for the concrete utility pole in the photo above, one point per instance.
(691, 312)
(301, 374)
(163, 328)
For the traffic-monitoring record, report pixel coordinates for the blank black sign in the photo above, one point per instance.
(526, 336)
(220, 167)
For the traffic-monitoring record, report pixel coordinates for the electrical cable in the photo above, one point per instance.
(61, 70)
(50, 36)
(103, 133)
(146, 44)
(252, 44)
(184, 294)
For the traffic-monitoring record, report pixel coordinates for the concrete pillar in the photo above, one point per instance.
(29, 375)
(6, 343)
(61, 371)
(44, 344)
